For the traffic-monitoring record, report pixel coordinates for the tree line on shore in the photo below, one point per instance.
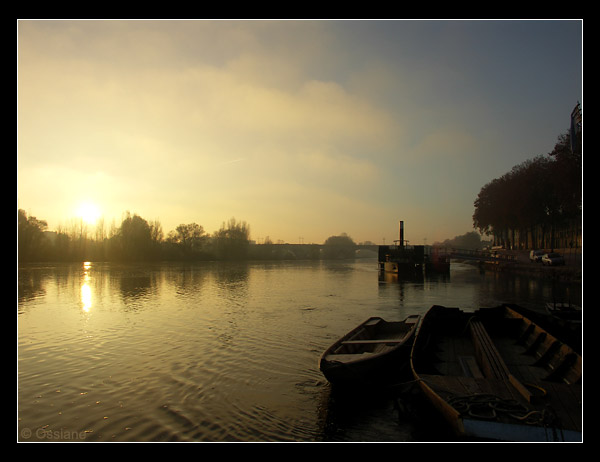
(469, 241)
(137, 239)
(538, 204)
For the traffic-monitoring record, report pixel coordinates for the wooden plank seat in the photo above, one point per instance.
(490, 361)
(346, 358)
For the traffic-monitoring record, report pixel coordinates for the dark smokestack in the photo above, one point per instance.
(401, 234)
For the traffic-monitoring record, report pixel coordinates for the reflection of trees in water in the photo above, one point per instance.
(32, 279)
(487, 288)
(231, 275)
(136, 286)
(187, 279)
(30, 285)
(231, 282)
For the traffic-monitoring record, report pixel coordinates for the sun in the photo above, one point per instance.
(88, 212)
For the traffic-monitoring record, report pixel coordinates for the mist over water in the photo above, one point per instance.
(216, 351)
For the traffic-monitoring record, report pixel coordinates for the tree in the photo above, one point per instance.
(190, 239)
(470, 240)
(232, 240)
(534, 200)
(156, 232)
(30, 236)
(487, 216)
(133, 240)
(567, 180)
(339, 247)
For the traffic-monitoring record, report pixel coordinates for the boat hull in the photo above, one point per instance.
(370, 353)
(367, 372)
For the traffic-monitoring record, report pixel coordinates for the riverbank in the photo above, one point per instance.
(521, 264)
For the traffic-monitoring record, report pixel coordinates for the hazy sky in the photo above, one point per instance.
(303, 129)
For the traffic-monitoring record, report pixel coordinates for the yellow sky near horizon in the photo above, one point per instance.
(303, 129)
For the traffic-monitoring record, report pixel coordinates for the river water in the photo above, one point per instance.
(218, 352)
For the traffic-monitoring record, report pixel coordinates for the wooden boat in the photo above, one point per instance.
(566, 331)
(364, 353)
(494, 374)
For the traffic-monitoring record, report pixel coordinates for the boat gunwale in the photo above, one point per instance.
(363, 358)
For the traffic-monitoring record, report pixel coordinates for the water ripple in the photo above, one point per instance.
(195, 352)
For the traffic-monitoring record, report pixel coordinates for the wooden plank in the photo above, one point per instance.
(492, 363)
(522, 389)
(344, 358)
(433, 393)
(447, 356)
(490, 360)
(447, 386)
(560, 398)
(471, 385)
(470, 367)
(495, 387)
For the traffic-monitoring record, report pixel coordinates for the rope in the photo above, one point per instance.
(489, 407)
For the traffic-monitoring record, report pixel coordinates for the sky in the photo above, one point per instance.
(303, 129)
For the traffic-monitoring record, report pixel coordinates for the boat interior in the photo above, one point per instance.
(497, 352)
(373, 337)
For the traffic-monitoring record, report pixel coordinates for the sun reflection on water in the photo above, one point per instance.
(86, 290)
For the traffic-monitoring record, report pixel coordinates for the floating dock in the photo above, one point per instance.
(401, 258)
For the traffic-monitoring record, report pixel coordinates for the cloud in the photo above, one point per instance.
(169, 126)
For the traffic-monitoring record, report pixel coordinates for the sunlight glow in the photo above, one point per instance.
(86, 290)
(88, 212)
(86, 297)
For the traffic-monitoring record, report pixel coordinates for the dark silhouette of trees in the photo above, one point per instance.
(31, 241)
(156, 232)
(534, 203)
(567, 178)
(137, 239)
(339, 247)
(470, 240)
(190, 236)
(133, 240)
(231, 241)
(189, 242)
